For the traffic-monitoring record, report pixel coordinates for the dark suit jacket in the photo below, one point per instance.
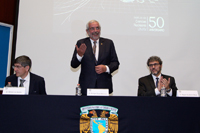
(37, 84)
(147, 86)
(107, 56)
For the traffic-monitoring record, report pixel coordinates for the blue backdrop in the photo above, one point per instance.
(4, 48)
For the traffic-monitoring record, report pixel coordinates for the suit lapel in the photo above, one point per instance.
(151, 81)
(89, 47)
(164, 76)
(15, 82)
(88, 44)
(31, 85)
(101, 47)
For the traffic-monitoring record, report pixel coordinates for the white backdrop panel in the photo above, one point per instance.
(48, 31)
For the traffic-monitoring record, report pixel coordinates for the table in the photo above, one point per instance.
(135, 114)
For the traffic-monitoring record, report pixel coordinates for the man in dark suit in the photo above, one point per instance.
(34, 84)
(151, 85)
(97, 57)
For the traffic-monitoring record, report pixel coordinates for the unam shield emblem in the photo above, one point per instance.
(98, 119)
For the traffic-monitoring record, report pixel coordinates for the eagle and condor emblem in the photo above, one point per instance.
(98, 119)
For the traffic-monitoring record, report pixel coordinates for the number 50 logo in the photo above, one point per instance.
(156, 22)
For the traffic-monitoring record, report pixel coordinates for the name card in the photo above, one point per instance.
(187, 93)
(97, 92)
(14, 91)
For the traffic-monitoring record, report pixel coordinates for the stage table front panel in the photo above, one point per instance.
(135, 114)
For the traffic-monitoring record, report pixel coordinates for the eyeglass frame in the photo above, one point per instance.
(155, 64)
(18, 67)
(93, 28)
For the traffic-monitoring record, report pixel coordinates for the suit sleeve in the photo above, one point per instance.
(142, 89)
(6, 82)
(114, 63)
(42, 87)
(173, 86)
(75, 62)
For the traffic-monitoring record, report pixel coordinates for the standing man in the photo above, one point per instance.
(97, 57)
(151, 85)
(34, 84)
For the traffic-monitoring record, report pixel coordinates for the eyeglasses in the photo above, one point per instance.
(93, 28)
(156, 64)
(18, 67)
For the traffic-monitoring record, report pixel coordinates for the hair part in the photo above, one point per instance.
(154, 58)
(92, 21)
(24, 61)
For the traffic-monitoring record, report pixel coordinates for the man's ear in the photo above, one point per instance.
(27, 68)
(86, 31)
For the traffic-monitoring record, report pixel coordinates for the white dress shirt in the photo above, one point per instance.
(26, 83)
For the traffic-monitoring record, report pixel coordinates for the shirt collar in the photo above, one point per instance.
(27, 78)
(92, 41)
(154, 77)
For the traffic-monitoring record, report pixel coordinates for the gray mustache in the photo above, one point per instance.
(95, 33)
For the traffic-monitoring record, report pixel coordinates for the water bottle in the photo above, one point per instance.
(78, 90)
(9, 84)
(163, 92)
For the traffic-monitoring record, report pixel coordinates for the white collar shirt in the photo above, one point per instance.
(97, 48)
(26, 83)
(157, 92)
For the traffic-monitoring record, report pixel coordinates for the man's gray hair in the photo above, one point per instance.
(92, 21)
(24, 61)
(154, 58)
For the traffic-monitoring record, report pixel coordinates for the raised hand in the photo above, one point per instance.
(81, 50)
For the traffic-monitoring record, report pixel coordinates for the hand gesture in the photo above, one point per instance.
(166, 83)
(81, 50)
(100, 69)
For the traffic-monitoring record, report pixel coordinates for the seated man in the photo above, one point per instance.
(34, 84)
(151, 85)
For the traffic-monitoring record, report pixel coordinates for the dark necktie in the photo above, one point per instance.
(157, 82)
(94, 51)
(94, 48)
(21, 83)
